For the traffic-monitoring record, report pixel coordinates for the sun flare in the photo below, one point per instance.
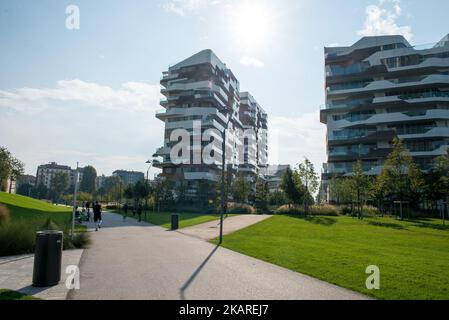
(252, 24)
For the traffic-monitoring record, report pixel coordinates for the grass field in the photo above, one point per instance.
(6, 294)
(163, 219)
(413, 256)
(28, 215)
(32, 210)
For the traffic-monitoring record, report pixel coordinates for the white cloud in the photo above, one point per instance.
(252, 62)
(184, 7)
(293, 138)
(82, 121)
(131, 95)
(381, 19)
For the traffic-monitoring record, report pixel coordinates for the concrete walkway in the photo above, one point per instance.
(131, 260)
(16, 273)
(210, 230)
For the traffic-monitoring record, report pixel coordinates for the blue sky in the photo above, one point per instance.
(90, 95)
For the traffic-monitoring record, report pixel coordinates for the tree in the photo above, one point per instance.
(88, 182)
(310, 181)
(293, 188)
(241, 189)
(140, 191)
(25, 189)
(359, 185)
(207, 192)
(438, 179)
(5, 167)
(278, 198)
(17, 170)
(401, 177)
(113, 188)
(181, 192)
(59, 184)
(129, 192)
(262, 194)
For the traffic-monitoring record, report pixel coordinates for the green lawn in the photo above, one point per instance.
(413, 256)
(28, 215)
(6, 294)
(33, 211)
(163, 219)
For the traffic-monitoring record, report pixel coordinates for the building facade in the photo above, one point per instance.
(202, 99)
(46, 172)
(128, 177)
(381, 88)
(255, 142)
(273, 175)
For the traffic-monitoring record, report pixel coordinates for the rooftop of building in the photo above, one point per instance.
(372, 41)
(204, 56)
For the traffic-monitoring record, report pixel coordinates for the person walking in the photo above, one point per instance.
(97, 215)
(125, 211)
(139, 212)
(89, 218)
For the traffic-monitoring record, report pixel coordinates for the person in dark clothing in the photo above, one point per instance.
(139, 212)
(125, 211)
(97, 215)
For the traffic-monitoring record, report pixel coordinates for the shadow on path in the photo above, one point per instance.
(186, 285)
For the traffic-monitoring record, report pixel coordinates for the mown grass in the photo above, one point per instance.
(163, 219)
(6, 294)
(413, 255)
(29, 215)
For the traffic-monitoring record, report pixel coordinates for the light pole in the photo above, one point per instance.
(74, 200)
(147, 187)
(224, 202)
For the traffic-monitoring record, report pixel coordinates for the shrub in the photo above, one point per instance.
(285, 209)
(81, 240)
(241, 209)
(325, 210)
(371, 211)
(4, 215)
(16, 238)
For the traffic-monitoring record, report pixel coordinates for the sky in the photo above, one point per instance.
(89, 95)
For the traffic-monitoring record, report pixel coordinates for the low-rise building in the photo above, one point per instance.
(129, 177)
(273, 174)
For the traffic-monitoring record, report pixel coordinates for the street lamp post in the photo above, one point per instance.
(224, 199)
(74, 200)
(147, 187)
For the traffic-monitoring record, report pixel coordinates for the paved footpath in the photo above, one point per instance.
(134, 260)
(16, 273)
(210, 230)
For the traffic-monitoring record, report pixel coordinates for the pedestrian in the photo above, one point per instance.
(139, 212)
(125, 211)
(97, 215)
(88, 211)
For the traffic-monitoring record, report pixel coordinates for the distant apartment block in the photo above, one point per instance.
(25, 180)
(100, 182)
(273, 175)
(381, 88)
(202, 89)
(129, 177)
(46, 172)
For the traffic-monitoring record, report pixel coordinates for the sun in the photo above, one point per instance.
(252, 24)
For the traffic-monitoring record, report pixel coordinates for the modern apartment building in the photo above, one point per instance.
(128, 177)
(273, 175)
(255, 123)
(203, 98)
(46, 172)
(381, 88)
